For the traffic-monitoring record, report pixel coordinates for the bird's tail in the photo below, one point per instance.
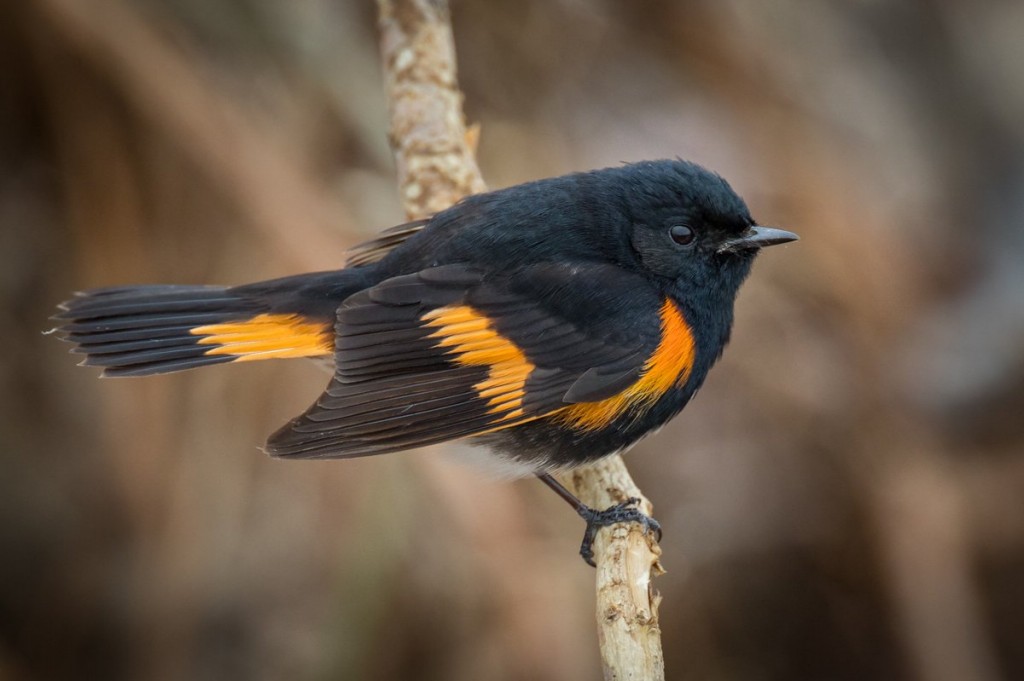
(142, 330)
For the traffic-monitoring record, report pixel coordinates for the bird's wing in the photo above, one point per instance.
(451, 352)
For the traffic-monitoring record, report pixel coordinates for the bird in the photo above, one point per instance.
(548, 324)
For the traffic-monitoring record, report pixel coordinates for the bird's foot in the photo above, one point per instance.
(625, 512)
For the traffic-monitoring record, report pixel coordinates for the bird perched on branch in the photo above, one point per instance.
(552, 323)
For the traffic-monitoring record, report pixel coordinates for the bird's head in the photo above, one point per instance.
(686, 226)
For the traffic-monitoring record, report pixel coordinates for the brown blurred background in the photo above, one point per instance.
(845, 500)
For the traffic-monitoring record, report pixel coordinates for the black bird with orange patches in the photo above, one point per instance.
(552, 323)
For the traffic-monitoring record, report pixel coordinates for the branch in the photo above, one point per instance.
(434, 155)
(434, 151)
(627, 562)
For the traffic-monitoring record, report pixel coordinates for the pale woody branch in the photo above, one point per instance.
(434, 155)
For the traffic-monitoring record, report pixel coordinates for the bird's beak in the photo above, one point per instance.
(757, 237)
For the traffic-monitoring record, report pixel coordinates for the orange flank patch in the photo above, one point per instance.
(473, 340)
(267, 336)
(668, 366)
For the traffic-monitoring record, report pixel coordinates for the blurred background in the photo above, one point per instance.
(844, 500)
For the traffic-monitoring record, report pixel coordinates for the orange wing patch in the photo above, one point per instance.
(669, 365)
(268, 336)
(474, 341)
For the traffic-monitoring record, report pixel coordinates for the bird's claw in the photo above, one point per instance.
(624, 512)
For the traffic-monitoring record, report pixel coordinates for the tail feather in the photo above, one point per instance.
(143, 330)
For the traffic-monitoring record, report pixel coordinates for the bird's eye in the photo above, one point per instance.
(681, 234)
